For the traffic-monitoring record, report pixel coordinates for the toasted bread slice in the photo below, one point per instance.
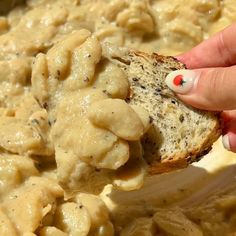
(180, 134)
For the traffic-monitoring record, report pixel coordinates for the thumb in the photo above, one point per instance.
(210, 88)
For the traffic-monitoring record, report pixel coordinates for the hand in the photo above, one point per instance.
(210, 81)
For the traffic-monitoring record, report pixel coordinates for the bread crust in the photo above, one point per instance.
(182, 161)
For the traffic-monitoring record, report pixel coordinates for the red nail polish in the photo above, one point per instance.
(181, 81)
(178, 80)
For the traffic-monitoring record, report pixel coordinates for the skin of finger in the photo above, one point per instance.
(228, 118)
(217, 51)
(214, 90)
(229, 127)
(232, 140)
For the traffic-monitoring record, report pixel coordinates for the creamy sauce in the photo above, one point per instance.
(65, 128)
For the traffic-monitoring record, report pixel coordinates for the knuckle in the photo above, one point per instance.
(216, 80)
(211, 86)
(224, 49)
(219, 89)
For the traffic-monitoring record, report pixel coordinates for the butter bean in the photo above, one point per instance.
(144, 116)
(118, 117)
(73, 218)
(96, 208)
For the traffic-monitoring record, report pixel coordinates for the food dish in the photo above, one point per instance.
(49, 42)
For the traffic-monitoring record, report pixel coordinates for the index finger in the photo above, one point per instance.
(217, 51)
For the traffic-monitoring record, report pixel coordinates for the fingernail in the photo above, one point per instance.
(225, 141)
(181, 81)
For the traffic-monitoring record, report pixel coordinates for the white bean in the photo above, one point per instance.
(118, 117)
(96, 207)
(73, 218)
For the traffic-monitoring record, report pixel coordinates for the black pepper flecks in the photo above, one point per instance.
(45, 105)
(150, 119)
(127, 100)
(135, 79)
(106, 92)
(159, 115)
(181, 118)
(35, 121)
(86, 80)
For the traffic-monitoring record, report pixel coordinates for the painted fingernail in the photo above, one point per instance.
(225, 141)
(181, 81)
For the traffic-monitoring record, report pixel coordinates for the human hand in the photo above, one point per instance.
(210, 81)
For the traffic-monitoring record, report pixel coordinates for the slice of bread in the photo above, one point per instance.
(180, 134)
